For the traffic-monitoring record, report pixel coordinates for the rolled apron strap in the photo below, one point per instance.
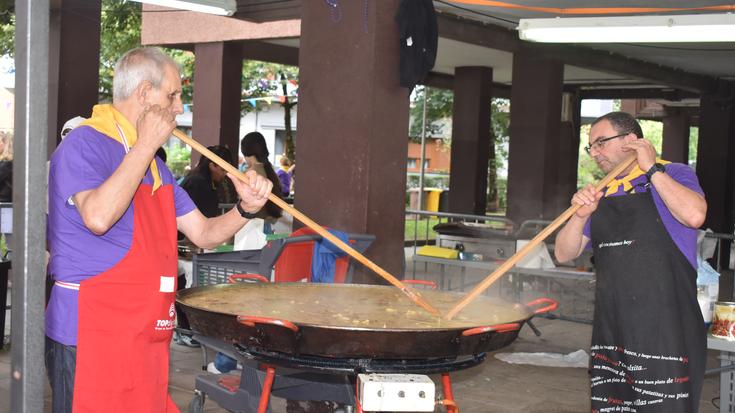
(67, 285)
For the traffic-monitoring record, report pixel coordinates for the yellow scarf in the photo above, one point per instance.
(614, 185)
(108, 121)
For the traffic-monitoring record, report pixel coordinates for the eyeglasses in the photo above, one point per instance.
(600, 143)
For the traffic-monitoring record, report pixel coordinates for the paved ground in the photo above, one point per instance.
(494, 386)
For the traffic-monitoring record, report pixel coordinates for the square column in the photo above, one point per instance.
(675, 145)
(715, 147)
(217, 91)
(73, 69)
(471, 140)
(352, 143)
(535, 138)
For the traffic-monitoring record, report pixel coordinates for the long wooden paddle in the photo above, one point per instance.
(413, 295)
(510, 262)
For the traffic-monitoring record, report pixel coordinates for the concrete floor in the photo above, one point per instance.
(493, 386)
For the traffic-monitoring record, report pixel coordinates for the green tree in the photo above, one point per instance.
(438, 107)
(119, 32)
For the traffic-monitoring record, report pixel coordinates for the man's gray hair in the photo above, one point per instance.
(136, 66)
(622, 122)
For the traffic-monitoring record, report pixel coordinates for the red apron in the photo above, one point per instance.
(126, 317)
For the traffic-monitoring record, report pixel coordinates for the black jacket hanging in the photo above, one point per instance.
(419, 35)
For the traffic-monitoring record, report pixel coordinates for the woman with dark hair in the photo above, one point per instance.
(203, 181)
(255, 152)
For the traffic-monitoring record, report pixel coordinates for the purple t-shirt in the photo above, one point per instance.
(83, 161)
(684, 237)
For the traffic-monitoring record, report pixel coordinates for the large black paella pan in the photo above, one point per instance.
(352, 321)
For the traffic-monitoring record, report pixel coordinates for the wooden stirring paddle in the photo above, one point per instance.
(413, 295)
(510, 262)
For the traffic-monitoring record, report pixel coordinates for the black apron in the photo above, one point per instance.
(648, 350)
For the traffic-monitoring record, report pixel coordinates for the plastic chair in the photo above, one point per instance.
(293, 264)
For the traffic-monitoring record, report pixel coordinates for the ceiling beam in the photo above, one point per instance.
(637, 93)
(445, 81)
(496, 37)
(268, 10)
(268, 52)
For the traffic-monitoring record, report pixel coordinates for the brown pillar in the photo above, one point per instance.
(73, 69)
(675, 145)
(715, 152)
(352, 144)
(535, 145)
(217, 89)
(471, 140)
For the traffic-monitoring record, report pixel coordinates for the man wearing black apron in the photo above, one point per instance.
(648, 348)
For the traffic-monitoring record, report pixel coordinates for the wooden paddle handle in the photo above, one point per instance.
(512, 261)
(414, 296)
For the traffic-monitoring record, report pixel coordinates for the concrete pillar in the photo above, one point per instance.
(352, 142)
(675, 145)
(217, 90)
(73, 69)
(471, 140)
(535, 144)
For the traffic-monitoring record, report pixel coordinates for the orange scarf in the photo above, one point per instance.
(110, 122)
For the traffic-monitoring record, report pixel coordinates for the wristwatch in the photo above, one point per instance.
(243, 213)
(657, 167)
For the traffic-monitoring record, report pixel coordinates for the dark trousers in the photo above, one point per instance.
(61, 361)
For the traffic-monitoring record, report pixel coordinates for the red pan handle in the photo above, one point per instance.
(255, 277)
(250, 321)
(428, 283)
(551, 305)
(500, 328)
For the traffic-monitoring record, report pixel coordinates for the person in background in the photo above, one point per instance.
(648, 348)
(113, 213)
(284, 175)
(202, 182)
(255, 152)
(6, 167)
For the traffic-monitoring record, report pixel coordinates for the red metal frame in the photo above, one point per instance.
(270, 375)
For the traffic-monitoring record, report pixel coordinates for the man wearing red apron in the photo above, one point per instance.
(648, 349)
(113, 214)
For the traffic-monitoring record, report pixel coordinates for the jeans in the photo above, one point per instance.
(61, 361)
